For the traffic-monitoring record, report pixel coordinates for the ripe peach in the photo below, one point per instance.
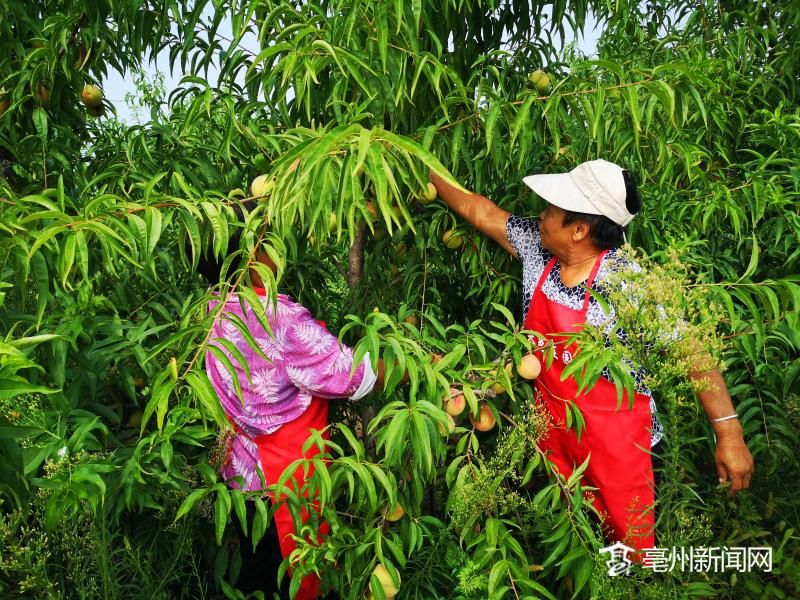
(262, 186)
(529, 367)
(428, 195)
(498, 387)
(455, 403)
(540, 79)
(485, 420)
(387, 583)
(395, 513)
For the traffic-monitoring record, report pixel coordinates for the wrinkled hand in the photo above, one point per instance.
(734, 463)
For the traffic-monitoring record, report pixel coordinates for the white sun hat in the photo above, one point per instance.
(596, 187)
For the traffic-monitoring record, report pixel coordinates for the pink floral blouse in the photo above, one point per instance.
(305, 360)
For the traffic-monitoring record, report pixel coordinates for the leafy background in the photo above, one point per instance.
(108, 421)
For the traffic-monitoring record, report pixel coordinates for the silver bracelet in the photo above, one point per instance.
(728, 418)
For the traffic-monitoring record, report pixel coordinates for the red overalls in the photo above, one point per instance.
(277, 451)
(618, 440)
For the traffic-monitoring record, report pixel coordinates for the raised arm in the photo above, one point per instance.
(482, 213)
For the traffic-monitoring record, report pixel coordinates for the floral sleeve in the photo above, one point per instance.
(317, 363)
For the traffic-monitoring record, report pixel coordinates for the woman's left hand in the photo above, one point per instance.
(734, 462)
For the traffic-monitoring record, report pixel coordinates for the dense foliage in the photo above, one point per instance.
(107, 420)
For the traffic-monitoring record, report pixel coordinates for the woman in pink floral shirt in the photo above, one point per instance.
(306, 361)
(298, 367)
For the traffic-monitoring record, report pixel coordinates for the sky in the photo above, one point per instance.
(116, 86)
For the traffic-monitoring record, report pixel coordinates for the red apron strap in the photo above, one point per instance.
(549, 267)
(590, 280)
(539, 284)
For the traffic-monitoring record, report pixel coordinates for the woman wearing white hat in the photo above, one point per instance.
(567, 251)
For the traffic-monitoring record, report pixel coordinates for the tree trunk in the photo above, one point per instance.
(354, 276)
(356, 260)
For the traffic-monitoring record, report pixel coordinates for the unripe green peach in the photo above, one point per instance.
(428, 195)
(452, 239)
(262, 186)
(92, 96)
(540, 79)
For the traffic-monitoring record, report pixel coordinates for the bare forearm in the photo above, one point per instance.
(732, 457)
(479, 211)
(381, 374)
(716, 402)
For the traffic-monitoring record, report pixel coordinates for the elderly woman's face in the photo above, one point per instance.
(555, 235)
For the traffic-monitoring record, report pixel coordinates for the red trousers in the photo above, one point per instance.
(277, 451)
(620, 466)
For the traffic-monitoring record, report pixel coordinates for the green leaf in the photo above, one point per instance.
(42, 276)
(85, 473)
(66, 259)
(753, 264)
(40, 123)
(15, 432)
(222, 508)
(159, 400)
(506, 313)
(11, 386)
(200, 384)
(153, 220)
(598, 112)
(497, 574)
(632, 95)
(665, 95)
(260, 522)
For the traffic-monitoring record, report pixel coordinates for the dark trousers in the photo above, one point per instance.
(259, 572)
